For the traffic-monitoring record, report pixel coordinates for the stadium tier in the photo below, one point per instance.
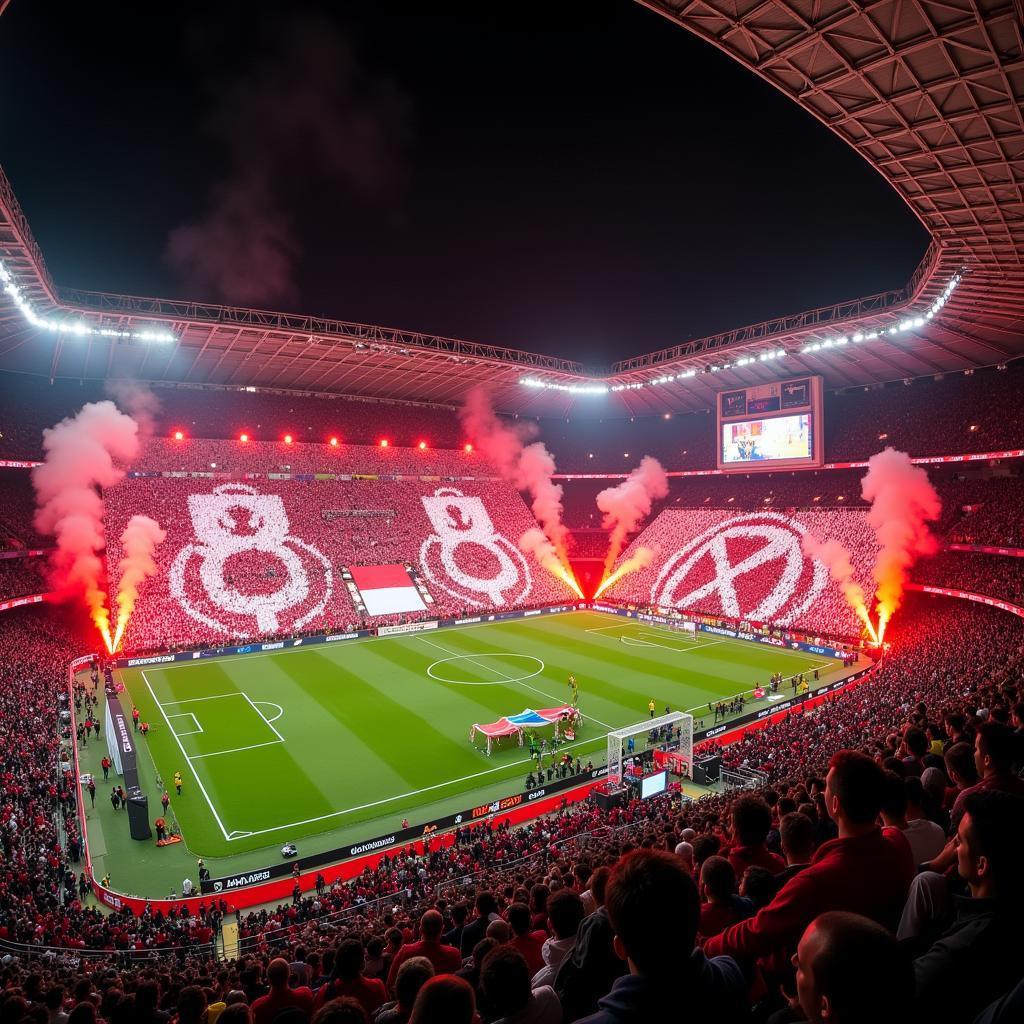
(957, 414)
(265, 557)
(750, 566)
(360, 757)
(950, 661)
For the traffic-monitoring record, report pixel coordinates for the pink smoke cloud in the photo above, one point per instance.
(529, 467)
(903, 503)
(138, 541)
(80, 458)
(836, 558)
(625, 505)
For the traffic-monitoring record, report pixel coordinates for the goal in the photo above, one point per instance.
(674, 736)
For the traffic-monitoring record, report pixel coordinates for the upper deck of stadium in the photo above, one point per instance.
(930, 94)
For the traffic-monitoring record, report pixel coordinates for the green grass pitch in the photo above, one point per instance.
(283, 745)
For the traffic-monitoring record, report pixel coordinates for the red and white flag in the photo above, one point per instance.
(387, 589)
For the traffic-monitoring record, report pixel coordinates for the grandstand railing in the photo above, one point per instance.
(450, 889)
(68, 955)
(743, 778)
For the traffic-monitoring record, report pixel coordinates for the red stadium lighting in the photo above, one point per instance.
(383, 442)
(244, 438)
(287, 438)
(469, 447)
(334, 442)
(422, 446)
(179, 435)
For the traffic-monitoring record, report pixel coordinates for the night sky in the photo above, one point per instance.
(582, 179)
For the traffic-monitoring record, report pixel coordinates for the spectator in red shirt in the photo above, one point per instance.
(280, 997)
(864, 870)
(721, 907)
(751, 822)
(529, 943)
(446, 959)
(445, 1000)
(348, 980)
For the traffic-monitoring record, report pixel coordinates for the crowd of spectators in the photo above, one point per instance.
(21, 576)
(600, 915)
(350, 523)
(955, 414)
(675, 529)
(17, 506)
(992, 575)
(165, 454)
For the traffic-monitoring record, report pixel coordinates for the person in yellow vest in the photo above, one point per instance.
(651, 706)
(177, 782)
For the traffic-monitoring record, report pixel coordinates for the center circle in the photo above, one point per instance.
(480, 661)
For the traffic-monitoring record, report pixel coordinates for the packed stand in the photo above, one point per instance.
(17, 507)
(988, 512)
(992, 575)
(882, 857)
(259, 540)
(22, 576)
(164, 454)
(686, 583)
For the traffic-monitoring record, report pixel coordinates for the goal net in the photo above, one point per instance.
(666, 740)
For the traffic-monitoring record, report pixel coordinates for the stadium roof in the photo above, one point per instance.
(929, 93)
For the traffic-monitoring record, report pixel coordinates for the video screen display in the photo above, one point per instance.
(779, 439)
(653, 785)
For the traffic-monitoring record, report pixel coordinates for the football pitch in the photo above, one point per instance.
(277, 746)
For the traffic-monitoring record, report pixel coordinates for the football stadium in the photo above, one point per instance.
(610, 667)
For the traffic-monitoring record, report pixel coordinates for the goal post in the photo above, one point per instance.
(678, 741)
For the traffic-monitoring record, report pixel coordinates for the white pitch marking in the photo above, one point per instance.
(462, 657)
(402, 796)
(192, 700)
(260, 713)
(271, 704)
(352, 643)
(238, 750)
(187, 714)
(510, 679)
(188, 760)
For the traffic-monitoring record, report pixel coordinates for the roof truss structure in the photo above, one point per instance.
(930, 93)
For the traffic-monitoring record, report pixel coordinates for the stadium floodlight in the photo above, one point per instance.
(79, 328)
(573, 389)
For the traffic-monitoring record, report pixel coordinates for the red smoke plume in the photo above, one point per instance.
(80, 454)
(834, 555)
(903, 502)
(139, 541)
(529, 467)
(626, 504)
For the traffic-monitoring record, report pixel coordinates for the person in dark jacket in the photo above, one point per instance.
(584, 975)
(837, 952)
(977, 959)
(654, 910)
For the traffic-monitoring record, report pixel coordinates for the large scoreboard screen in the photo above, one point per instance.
(771, 426)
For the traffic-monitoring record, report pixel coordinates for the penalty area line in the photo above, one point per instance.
(188, 760)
